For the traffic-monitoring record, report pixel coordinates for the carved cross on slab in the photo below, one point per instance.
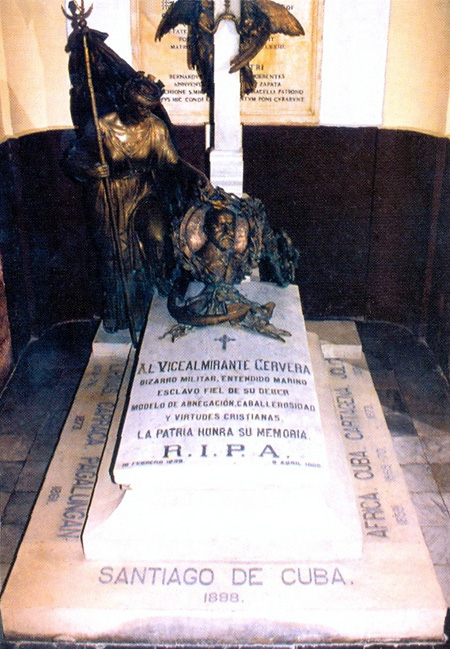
(224, 340)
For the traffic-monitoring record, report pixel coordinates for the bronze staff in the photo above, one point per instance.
(80, 20)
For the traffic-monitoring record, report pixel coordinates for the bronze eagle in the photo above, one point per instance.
(258, 21)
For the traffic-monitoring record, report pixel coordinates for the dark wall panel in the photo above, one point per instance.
(439, 305)
(403, 196)
(190, 141)
(62, 261)
(14, 248)
(317, 183)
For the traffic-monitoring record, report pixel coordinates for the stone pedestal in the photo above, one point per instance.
(234, 446)
(388, 594)
(226, 159)
(227, 170)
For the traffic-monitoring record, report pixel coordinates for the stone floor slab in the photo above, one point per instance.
(419, 478)
(4, 498)
(349, 345)
(409, 450)
(31, 475)
(432, 426)
(437, 449)
(19, 507)
(14, 447)
(438, 543)
(9, 474)
(443, 573)
(441, 473)
(400, 423)
(431, 509)
(10, 536)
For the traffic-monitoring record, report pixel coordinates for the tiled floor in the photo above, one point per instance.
(416, 403)
(33, 408)
(412, 390)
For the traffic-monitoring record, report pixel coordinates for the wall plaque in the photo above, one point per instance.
(286, 69)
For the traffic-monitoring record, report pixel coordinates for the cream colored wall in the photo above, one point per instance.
(34, 82)
(417, 70)
(5, 110)
(353, 62)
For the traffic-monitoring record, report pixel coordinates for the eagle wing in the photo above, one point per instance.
(281, 20)
(260, 19)
(181, 12)
(199, 41)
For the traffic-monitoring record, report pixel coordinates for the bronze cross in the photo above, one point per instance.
(224, 340)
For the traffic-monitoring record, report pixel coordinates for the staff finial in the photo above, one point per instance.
(78, 14)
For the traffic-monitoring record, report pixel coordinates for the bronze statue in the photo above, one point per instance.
(158, 221)
(258, 21)
(136, 181)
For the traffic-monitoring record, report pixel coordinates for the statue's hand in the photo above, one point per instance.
(99, 171)
(206, 187)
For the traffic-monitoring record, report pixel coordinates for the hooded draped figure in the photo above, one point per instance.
(142, 184)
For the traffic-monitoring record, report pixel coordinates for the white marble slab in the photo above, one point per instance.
(223, 404)
(221, 442)
(338, 338)
(390, 593)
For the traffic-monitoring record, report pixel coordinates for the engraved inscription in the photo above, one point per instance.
(248, 405)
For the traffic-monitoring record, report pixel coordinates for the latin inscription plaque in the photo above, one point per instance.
(286, 69)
